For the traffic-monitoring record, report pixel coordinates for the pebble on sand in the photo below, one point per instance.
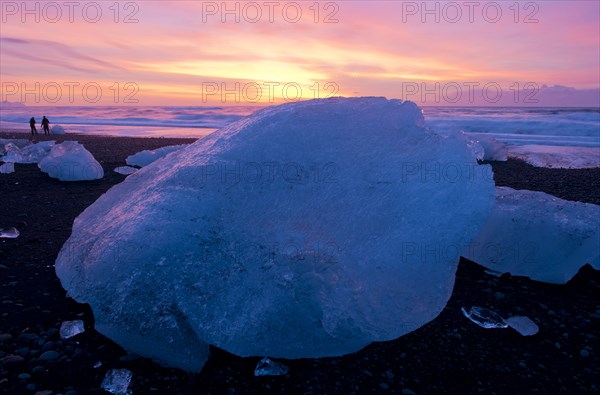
(49, 355)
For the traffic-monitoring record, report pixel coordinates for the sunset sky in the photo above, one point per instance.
(181, 53)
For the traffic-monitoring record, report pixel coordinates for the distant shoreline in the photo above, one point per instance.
(570, 184)
(115, 134)
(82, 137)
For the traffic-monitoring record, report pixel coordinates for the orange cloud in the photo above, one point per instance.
(171, 49)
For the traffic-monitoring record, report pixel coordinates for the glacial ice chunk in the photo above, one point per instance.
(7, 168)
(475, 148)
(267, 367)
(485, 318)
(125, 170)
(486, 147)
(492, 148)
(303, 230)
(12, 153)
(71, 328)
(538, 235)
(10, 233)
(70, 161)
(57, 129)
(33, 153)
(144, 158)
(19, 143)
(117, 381)
(524, 325)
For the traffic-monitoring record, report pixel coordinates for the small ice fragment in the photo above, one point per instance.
(485, 318)
(267, 367)
(97, 365)
(144, 158)
(125, 170)
(11, 233)
(7, 168)
(524, 325)
(117, 381)
(71, 328)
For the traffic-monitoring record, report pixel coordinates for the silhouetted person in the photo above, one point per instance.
(32, 124)
(45, 125)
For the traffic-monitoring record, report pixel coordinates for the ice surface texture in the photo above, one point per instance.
(308, 229)
(70, 161)
(537, 235)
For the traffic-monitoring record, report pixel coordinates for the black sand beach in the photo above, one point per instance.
(448, 355)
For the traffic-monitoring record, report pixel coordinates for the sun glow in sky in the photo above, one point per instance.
(203, 53)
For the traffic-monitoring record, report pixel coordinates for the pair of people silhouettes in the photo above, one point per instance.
(45, 126)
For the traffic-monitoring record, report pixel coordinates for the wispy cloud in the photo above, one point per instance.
(371, 50)
(54, 53)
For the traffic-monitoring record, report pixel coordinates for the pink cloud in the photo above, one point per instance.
(374, 48)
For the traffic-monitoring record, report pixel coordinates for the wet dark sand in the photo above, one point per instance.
(448, 355)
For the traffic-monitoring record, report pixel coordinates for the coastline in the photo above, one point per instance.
(449, 354)
(570, 184)
(106, 149)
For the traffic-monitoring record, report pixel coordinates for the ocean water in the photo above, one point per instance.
(128, 121)
(557, 127)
